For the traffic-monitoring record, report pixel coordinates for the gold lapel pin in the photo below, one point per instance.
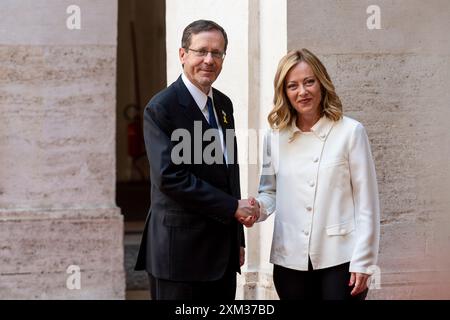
(224, 117)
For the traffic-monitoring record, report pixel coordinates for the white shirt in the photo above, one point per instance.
(200, 99)
(322, 186)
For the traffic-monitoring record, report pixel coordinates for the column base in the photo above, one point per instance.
(37, 248)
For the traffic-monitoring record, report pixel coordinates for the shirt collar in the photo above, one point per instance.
(199, 96)
(320, 129)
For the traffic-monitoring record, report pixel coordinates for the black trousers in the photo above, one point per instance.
(322, 284)
(223, 289)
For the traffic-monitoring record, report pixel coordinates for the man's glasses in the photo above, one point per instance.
(203, 53)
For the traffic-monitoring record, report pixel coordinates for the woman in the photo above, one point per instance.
(319, 178)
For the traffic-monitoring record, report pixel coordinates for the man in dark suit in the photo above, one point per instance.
(193, 242)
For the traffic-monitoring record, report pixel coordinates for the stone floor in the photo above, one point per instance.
(136, 281)
(133, 200)
(137, 295)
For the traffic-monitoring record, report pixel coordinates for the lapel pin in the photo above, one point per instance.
(224, 117)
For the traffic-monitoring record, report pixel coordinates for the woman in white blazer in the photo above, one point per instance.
(319, 177)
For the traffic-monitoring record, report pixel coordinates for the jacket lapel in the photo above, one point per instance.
(190, 108)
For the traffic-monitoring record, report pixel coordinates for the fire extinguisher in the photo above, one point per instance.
(134, 133)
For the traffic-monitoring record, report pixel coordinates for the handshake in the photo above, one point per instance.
(247, 212)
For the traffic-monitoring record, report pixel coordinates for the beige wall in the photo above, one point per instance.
(395, 81)
(57, 151)
(149, 20)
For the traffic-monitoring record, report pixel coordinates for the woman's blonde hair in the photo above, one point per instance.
(283, 113)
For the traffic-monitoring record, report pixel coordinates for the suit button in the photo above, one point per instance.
(323, 135)
(306, 232)
(311, 183)
(316, 159)
(309, 208)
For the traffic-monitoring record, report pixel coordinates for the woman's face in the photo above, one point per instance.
(303, 90)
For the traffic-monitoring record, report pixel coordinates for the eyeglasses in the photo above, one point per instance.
(203, 53)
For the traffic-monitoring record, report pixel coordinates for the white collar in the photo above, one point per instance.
(199, 96)
(321, 128)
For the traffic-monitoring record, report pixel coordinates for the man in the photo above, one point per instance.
(193, 244)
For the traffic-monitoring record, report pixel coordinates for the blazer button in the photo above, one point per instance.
(311, 183)
(309, 208)
(316, 159)
(306, 232)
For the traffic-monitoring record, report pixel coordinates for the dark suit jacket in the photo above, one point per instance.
(190, 233)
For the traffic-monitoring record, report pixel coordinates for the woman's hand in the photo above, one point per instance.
(360, 282)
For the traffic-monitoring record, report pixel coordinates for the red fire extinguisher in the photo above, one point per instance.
(134, 134)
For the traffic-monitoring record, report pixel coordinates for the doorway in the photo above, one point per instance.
(141, 72)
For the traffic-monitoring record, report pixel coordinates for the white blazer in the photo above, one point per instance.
(323, 187)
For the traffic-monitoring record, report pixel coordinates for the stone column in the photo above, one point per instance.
(268, 43)
(57, 152)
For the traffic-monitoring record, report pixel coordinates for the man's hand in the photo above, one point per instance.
(248, 212)
(360, 282)
(242, 257)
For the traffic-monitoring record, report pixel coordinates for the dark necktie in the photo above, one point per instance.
(212, 119)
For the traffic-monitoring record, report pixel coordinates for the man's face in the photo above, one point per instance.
(203, 71)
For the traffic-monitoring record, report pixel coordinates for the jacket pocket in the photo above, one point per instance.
(341, 229)
(183, 220)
